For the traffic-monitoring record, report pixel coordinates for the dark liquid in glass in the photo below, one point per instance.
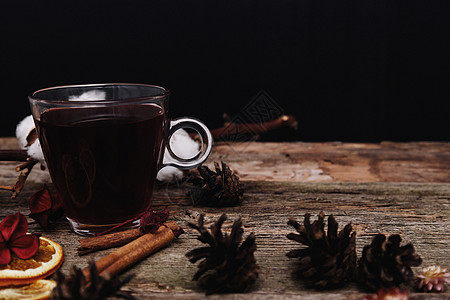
(103, 161)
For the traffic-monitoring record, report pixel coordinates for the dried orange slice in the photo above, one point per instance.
(45, 262)
(38, 290)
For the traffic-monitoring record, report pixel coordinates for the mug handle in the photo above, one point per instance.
(205, 149)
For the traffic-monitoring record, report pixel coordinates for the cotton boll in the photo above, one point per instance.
(35, 151)
(23, 129)
(89, 96)
(169, 174)
(183, 146)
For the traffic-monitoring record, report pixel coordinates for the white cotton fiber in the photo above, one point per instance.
(23, 129)
(89, 96)
(35, 151)
(183, 146)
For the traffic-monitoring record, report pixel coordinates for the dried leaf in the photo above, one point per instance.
(45, 207)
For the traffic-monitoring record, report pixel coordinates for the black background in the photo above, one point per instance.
(347, 70)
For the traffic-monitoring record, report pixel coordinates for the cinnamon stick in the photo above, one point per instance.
(116, 239)
(143, 247)
(133, 252)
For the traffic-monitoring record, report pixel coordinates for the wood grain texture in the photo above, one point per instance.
(335, 161)
(420, 213)
(380, 188)
(323, 162)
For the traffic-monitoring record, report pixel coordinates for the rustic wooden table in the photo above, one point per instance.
(381, 188)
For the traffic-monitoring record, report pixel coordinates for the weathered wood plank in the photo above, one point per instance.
(345, 162)
(420, 213)
(325, 162)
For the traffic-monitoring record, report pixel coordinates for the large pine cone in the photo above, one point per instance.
(217, 189)
(227, 266)
(386, 264)
(329, 260)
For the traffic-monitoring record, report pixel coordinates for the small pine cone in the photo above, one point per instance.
(78, 286)
(386, 264)
(433, 279)
(217, 189)
(227, 266)
(329, 260)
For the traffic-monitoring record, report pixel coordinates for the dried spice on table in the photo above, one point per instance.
(217, 188)
(227, 265)
(150, 221)
(385, 264)
(135, 251)
(329, 259)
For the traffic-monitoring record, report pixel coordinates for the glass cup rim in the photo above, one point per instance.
(164, 93)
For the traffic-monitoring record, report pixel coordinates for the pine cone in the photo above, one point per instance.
(385, 264)
(329, 260)
(77, 286)
(217, 189)
(226, 267)
(433, 279)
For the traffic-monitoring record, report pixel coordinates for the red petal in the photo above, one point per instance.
(57, 201)
(21, 228)
(25, 246)
(9, 225)
(42, 218)
(45, 207)
(5, 256)
(41, 200)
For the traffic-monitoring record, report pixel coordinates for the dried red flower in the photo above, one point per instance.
(14, 238)
(45, 207)
(151, 220)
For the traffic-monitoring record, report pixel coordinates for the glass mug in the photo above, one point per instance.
(104, 145)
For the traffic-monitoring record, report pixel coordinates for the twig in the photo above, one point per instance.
(24, 169)
(230, 129)
(28, 162)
